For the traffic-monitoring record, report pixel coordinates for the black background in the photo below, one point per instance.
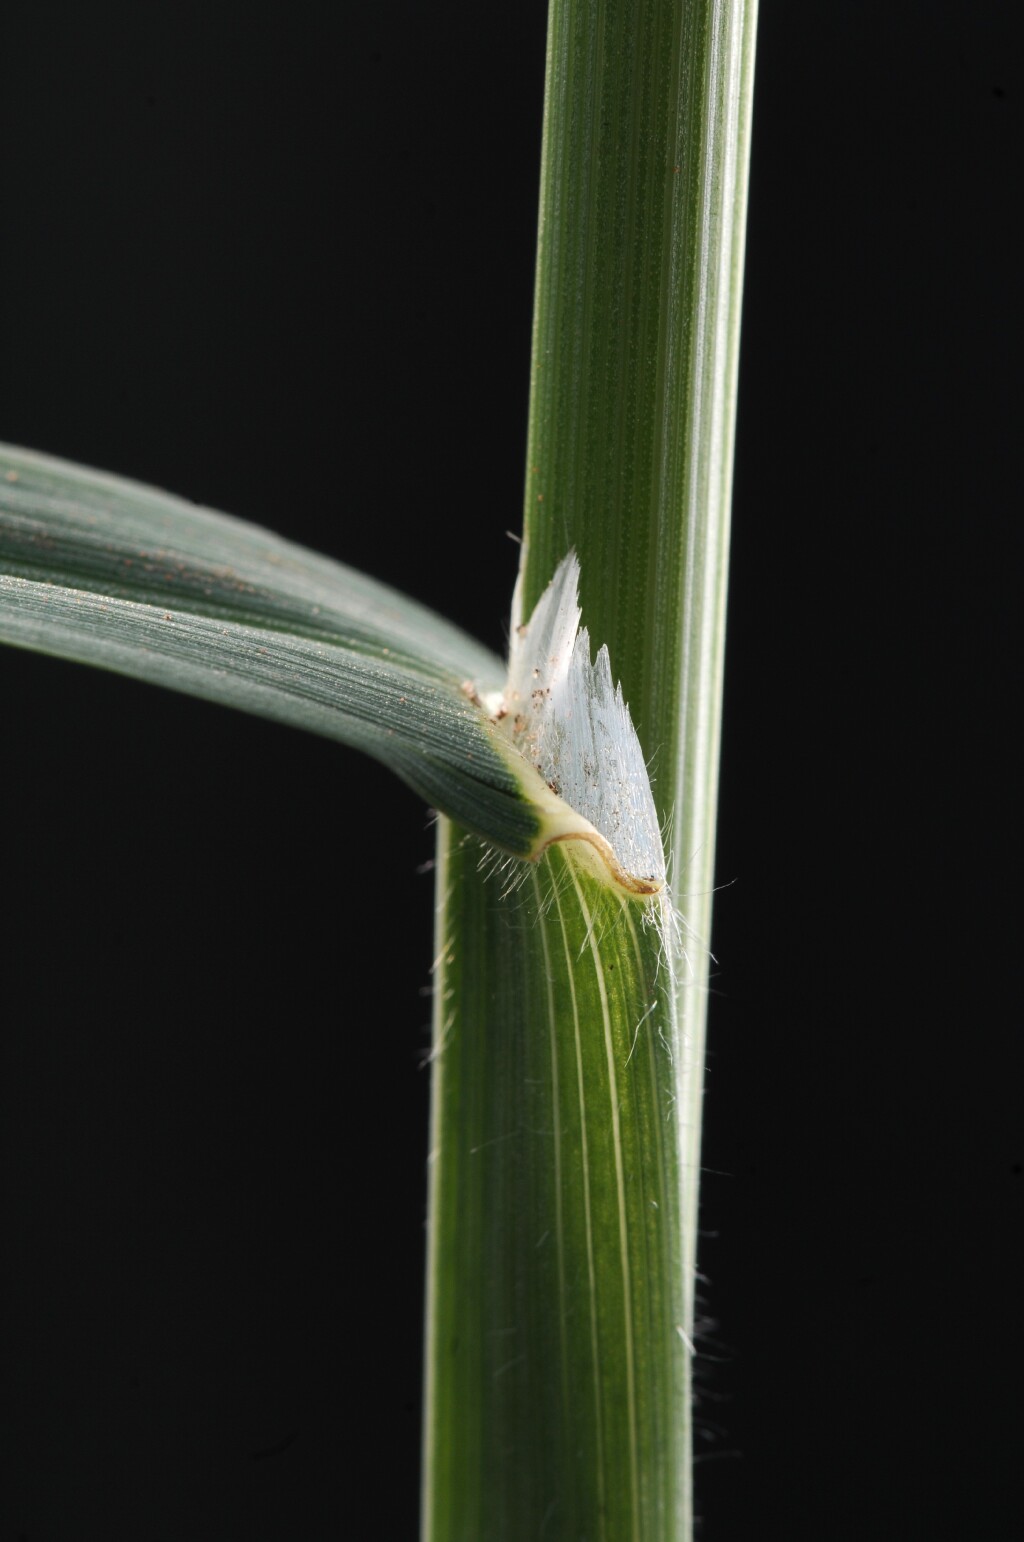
(279, 259)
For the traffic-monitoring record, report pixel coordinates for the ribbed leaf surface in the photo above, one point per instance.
(559, 1374)
(108, 572)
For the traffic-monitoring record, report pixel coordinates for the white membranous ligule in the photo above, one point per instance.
(567, 718)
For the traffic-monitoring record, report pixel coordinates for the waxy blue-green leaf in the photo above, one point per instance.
(112, 573)
(568, 1023)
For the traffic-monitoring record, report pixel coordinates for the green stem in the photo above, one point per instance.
(557, 1372)
(569, 1034)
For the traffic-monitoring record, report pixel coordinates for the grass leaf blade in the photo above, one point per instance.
(107, 572)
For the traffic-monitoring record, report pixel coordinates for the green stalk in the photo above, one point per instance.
(570, 997)
(569, 1020)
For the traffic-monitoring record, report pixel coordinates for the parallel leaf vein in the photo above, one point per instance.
(620, 1187)
(570, 967)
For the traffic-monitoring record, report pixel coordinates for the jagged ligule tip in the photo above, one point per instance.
(566, 715)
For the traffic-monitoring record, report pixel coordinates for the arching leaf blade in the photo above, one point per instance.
(110, 573)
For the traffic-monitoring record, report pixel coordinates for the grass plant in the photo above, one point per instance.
(571, 976)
